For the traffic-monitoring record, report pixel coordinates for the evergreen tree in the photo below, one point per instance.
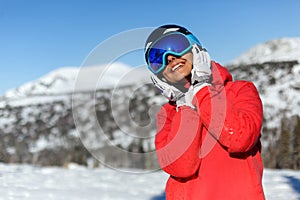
(296, 144)
(283, 159)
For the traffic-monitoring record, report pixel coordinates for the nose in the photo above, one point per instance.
(170, 58)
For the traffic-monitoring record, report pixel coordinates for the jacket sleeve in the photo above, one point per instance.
(178, 141)
(233, 117)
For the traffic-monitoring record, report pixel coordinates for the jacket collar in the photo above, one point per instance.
(220, 74)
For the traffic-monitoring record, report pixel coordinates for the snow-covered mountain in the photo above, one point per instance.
(68, 80)
(274, 68)
(47, 120)
(277, 50)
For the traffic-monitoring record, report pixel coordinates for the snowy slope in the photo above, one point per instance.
(69, 79)
(274, 68)
(49, 115)
(283, 49)
(18, 182)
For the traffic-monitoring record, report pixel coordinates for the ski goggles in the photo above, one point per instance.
(176, 44)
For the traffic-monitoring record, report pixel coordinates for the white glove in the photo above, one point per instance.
(186, 100)
(169, 91)
(201, 71)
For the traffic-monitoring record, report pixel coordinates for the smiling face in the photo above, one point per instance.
(178, 68)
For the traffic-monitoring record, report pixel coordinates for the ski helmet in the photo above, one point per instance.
(165, 40)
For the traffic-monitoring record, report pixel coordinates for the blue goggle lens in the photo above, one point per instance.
(176, 44)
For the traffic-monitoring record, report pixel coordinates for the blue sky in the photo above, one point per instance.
(38, 36)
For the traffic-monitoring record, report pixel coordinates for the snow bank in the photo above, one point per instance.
(80, 183)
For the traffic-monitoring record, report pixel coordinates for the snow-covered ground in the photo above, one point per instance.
(80, 183)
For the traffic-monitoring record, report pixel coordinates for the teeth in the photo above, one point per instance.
(176, 67)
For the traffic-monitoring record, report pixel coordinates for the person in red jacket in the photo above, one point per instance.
(208, 134)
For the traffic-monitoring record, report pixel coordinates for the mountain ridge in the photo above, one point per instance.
(70, 80)
(277, 50)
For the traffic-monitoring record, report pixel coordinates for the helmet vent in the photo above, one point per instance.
(170, 30)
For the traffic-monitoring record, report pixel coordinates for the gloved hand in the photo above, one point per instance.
(169, 91)
(201, 71)
(186, 100)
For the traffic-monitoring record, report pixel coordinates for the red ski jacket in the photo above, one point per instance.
(213, 152)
